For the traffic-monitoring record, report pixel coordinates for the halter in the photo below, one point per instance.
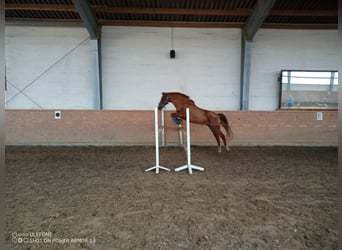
(167, 100)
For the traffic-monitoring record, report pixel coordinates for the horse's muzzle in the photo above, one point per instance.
(161, 106)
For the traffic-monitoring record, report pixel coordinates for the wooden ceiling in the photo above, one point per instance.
(289, 14)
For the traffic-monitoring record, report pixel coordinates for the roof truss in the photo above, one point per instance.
(84, 9)
(257, 17)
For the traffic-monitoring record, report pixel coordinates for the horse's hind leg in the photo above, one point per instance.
(227, 144)
(223, 139)
(216, 131)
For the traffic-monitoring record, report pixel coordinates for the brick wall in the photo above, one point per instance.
(295, 127)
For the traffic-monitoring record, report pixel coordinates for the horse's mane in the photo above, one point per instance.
(183, 95)
(179, 93)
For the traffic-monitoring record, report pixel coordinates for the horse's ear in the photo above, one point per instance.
(163, 93)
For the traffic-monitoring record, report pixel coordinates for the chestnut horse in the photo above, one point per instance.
(197, 115)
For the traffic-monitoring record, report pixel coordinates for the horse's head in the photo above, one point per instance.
(163, 101)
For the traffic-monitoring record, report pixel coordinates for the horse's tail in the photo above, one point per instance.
(225, 124)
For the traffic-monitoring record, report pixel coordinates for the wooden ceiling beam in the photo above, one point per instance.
(73, 22)
(172, 11)
(169, 24)
(213, 25)
(304, 13)
(41, 7)
(299, 26)
(211, 12)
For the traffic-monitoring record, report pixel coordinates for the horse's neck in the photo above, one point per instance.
(184, 103)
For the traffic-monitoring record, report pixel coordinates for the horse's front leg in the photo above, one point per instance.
(178, 115)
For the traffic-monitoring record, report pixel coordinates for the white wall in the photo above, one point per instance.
(274, 50)
(56, 64)
(137, 66)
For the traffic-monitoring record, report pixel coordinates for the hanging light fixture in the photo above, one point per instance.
(172, 51)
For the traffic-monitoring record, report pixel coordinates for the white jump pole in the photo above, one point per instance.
(189, 166)
(163, 127)
(157, 166)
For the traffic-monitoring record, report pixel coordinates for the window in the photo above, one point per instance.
(307, 89)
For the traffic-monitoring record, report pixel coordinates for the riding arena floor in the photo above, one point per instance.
(88, 197)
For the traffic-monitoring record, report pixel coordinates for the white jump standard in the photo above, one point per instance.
(188, 166)
(157, 166)
(163, 127)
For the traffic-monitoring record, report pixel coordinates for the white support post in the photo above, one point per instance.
(189, 166)
(180, 133)
(157, 166)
